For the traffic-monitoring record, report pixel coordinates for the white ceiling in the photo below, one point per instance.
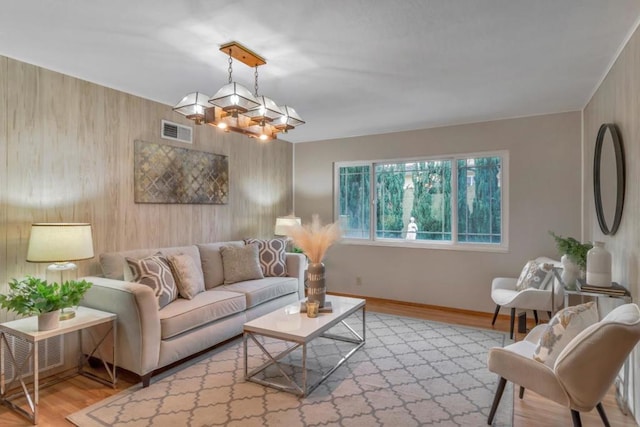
(349, 67)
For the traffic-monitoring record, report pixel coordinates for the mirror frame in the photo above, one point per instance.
(620, 178)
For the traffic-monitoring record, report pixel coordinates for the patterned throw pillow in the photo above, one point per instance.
(240, 263)
(565, 326)
(534, 275)
(187, 274)
(273, 256)
(154, 271)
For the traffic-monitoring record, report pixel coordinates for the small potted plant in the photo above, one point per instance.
(574, 257)
(34, 296)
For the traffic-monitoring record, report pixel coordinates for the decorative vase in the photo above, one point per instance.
(570, 271)
(49, 321)
(599, 266)
(316, 289)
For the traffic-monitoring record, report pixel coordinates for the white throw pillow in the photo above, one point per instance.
(534, 275)
(565, 326)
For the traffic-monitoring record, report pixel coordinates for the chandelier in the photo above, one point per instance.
(235, 108)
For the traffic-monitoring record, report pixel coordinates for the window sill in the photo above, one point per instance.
(413, 244)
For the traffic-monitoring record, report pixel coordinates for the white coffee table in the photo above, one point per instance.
(288, 324)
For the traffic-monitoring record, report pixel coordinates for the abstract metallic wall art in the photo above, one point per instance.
(166, 174)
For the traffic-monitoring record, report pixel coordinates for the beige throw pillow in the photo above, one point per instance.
(565, 326)
(187, 274)
(155, 272)
(241, 263)
(534, 275)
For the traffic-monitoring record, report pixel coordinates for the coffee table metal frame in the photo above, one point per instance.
(310, 329)
(27, 329)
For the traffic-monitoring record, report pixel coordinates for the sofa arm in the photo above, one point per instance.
(296, 267)
(138, 343)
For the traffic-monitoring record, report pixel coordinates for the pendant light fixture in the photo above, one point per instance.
(235, 108)
(192, 106)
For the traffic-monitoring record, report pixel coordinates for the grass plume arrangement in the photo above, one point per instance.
(314, 239)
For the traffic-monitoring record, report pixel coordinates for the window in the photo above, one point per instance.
(455, 200)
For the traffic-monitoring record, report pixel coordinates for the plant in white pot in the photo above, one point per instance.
(34, 296)
(574, 258)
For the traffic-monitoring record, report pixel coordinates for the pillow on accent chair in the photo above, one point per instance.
(187, 275)
(155, 272)
(273, 256)
(534, 275)
(562, 328)
(240, 263)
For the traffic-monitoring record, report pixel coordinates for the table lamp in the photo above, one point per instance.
(283, 223)
(59, 244)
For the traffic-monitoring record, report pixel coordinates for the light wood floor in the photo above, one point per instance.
(59, 400)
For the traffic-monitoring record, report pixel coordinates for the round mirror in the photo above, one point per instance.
(608, 178)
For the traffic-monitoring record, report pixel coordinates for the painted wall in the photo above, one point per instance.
(66, 155)
(617, 100)
(545, 188)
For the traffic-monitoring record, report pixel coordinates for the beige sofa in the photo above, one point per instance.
(150, 338)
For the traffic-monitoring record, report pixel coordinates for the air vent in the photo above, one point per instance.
(176, 132)
(50, 355)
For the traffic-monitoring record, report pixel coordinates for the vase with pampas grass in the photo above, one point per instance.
(314, 239)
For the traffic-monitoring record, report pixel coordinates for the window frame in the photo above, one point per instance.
(453, 244)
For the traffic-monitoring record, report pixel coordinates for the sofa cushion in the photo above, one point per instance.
(114, 265)
(187, 274)
(241, 263)
(212, 262)
(155, 272)
(183, 315)
(259, 291)
(273, 256)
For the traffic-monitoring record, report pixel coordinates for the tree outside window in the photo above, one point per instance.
(424, 190)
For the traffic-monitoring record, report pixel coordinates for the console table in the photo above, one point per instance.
(27, 330)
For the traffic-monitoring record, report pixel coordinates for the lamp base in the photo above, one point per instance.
(67, 314)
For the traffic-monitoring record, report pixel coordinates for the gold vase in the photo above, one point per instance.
(316, 289)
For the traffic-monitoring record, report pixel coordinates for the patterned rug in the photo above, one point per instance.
(410, 372)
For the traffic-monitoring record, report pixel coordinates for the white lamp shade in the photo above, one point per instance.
(60, 242)
(283, 223)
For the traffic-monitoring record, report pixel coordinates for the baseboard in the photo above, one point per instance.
(420, 305)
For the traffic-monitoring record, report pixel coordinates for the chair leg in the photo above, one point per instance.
(603, 415)
(549, 314)
(575, 416)
(495, 315)
(521, 393)
(496, 400)
(513, 319)
(535, 316)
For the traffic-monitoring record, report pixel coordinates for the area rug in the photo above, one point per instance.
(410, 372)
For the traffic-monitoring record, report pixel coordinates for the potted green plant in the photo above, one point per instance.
(34, 296)
(573, 252)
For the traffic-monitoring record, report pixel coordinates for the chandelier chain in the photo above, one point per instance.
(230, 66)
(256, 85)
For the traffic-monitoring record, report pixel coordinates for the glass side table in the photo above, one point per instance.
(27, 330)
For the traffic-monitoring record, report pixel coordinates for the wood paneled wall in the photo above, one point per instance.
(617, 100)
(67, 156)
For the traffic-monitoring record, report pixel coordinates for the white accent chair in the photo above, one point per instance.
(584, 370)
(504, 294)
